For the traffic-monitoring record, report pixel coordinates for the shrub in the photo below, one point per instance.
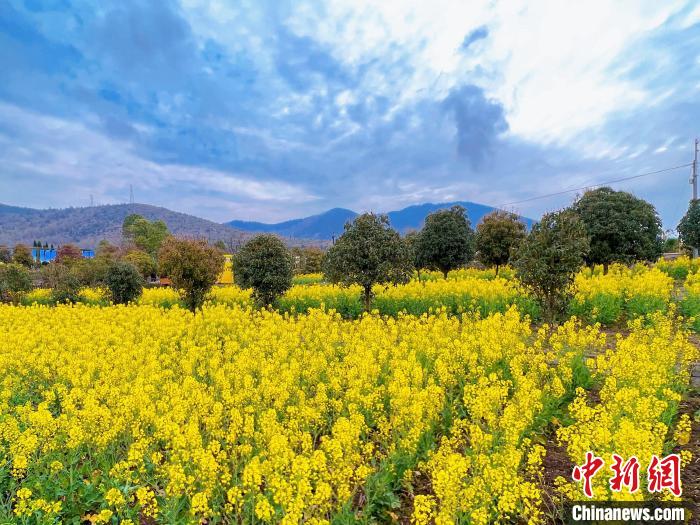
(14, 280)
(143, 262)
(368, 252)
(446, 241)
(67, 288)
(193, 267)
(22, 255)
(548, 259)
(498, 234)
(68, 254)
(265, 265)
(91, 272)
(5, 255)
(621, 227)
(124, 282)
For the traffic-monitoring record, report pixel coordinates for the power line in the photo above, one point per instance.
(563, 192)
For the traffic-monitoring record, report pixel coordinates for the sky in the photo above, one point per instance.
(271, 110)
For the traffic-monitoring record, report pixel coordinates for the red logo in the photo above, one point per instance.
(663, 473)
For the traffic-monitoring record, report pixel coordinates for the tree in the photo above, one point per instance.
(621, 227)
(193, 267)
(22, 255)
(265, 265)
(5, 255)
(446, 240)
(107, 250)
(410, 241)
(144, 234)
(671, 245)
(14, 280)
(90, 272)
(68, 254)
(64, 282)
(497, 235)
(143, 262)
(689, 227)
(307, 259)
(221, 245)
(548, 259)
(368, 252)
(124, 282)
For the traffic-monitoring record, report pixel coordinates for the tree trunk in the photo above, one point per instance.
(368, 298)
(605, 268)
(445, 272)
(497, 270)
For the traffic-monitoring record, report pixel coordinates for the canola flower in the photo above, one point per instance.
(252, 416)
(623, 293)
(308, 278)
(505, 272)
(643, 378)
(679, 268)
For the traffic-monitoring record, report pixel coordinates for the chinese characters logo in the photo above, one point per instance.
(662, 473)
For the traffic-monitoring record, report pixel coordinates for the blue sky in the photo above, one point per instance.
(269, 110)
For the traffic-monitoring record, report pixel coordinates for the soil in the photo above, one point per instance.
(690, 474)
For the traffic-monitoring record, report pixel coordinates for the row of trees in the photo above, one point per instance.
(601, 227)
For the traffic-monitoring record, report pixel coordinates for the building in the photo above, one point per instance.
(47, 255)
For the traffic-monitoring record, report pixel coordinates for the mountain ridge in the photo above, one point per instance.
(87, 226)
(327, 225)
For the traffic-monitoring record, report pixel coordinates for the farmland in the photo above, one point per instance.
(445, 404)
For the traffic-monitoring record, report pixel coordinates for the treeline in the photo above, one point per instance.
(603, 226)
(147, 250)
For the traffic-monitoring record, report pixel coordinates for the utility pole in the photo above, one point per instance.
(694, 182)
(131, 193)
(694, 176)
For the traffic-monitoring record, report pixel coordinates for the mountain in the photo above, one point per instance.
(327, 225)
(87, 226)
(320, 227)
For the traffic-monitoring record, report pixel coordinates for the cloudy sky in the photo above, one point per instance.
(269, 110)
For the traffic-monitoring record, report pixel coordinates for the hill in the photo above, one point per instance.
(325, 226)
(87, 226)
(320, 227)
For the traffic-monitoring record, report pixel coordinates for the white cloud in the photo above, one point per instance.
(69, 151)
(556, 66)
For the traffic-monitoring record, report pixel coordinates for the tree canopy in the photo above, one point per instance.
(368, 252)
(144, 234)
(22, 255)
(124, 282)
(689, 227)
(497, 235)
(14, 280)
(307, 259)
(265, 265)
(68, 254)
(193, 266)
(548, 259)
(446, 241)
(621, 227)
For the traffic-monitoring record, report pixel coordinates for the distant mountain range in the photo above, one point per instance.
(330, 224)
(87, 226)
